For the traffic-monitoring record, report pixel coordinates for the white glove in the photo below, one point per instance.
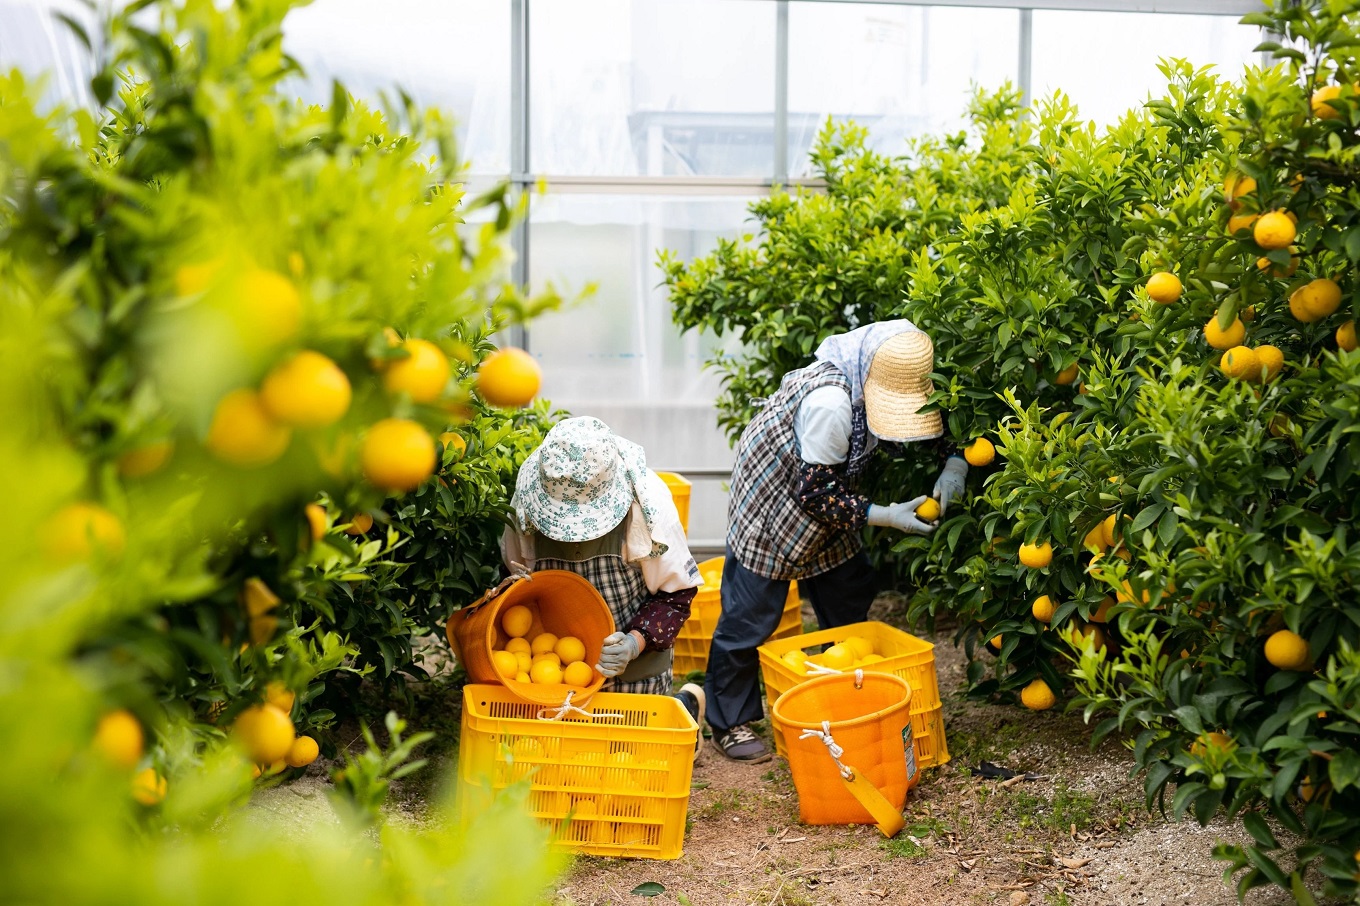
(901, 516)
(950, 483)
(620, 648)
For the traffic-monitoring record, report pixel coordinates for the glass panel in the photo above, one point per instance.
(1107, 62)
(652, 87)
(900, 70)
(36, 43)
(618, 356)
(455, 56)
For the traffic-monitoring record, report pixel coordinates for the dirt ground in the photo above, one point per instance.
(1079, 835)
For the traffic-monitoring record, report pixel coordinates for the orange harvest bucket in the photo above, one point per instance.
(850, 748)
(563, 603)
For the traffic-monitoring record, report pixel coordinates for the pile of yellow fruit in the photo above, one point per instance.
(851, 653)
(545, 659)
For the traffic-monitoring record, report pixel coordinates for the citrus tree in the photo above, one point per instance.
(1144, 341)
(235, 327)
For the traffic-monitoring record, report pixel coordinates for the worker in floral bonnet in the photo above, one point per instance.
(585, 501)
(794, 512)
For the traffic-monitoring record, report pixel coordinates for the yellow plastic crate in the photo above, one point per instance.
(679, 487)
(903, 654)
(695, 636)
(610, 786)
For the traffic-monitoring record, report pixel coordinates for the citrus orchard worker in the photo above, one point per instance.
(794, 512)
(585, 501)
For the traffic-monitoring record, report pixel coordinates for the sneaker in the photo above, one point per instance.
(741, 744)
(692, 697)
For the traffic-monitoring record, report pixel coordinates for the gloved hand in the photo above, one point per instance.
(901, 516)
(620, 648)
(950, 483)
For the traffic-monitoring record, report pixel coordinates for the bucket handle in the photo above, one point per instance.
(517, 571)
(561, 712)
(889, 820)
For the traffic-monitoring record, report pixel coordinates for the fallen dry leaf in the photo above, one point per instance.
(1075, 863)
(1019, 898)
(967, 864)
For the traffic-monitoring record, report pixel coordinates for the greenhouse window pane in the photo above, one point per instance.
(1107, 62)
(652, 88)
(902, 71)
(454, 56)
(38, 44)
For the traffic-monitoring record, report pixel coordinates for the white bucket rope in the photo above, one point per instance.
(567, 708)
(832, 749)
(517, 571)
(815, 669)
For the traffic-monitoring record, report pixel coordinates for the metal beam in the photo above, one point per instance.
(667, 185)
(781, 92)
(1025, 77)
(519, 148)
(1194, 7)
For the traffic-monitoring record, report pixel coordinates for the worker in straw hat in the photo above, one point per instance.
(585, 501)
(794, 512)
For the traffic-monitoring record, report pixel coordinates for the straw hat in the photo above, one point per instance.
(576, 485)
(897, 386)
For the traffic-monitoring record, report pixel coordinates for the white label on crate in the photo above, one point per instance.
(909, 745)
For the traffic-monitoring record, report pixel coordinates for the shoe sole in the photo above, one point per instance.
(698, 693)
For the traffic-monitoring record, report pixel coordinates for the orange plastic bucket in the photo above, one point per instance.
(868, 716)
(563, 604)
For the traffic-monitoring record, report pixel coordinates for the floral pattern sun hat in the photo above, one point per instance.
(580, 482)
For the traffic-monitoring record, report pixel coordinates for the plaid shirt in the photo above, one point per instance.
(769, 531)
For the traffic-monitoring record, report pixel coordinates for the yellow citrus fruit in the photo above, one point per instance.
(1037, 696)
(422, 374)
(1043, 608)
(1345, 336)
(77, 530)
(148, 787)
(1107, 526)
(1102, 614)
(302, 752)
(929, 510)
(859, 646)
(871, 658)
(797, 659)
(1315, 301)
(1164, 287)
(359, 524)
(838, 657)
(452, 440)
(547, 656)
(1067, 375)
(1274, 231)
(1275, 270)
(267, 307)
(570, 649)
(505, 662)
(398, 454)
(1078, 635)
(1095, 538)
(516, 621)
(1271, 359)
(1288, 651)
(545, 672)
(1215, 740)
(1240, 363)
(525, 661)
(980, 453)
(243, 433)
(1036, 556)
(1235, 185)
(192, 279)
(316, 519)
(307, 390)
(543, 643)
(509, 377)
(1239, 222)
(118, 737)
(1321, 109)
(1219, 338)
(523, 677)
(578, 673)
(280, 696)
(996, 642)
(517, 644)
(265, 732)
(145, 460)
(258, 598)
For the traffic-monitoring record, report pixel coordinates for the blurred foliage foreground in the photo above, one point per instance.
(248, 453)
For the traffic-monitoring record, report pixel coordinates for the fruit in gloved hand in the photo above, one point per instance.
(929, 511)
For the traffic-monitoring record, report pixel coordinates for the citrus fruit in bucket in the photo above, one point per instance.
(578, 673)
(543, 643)
(507, 665)
(518, 645)
(516, 622)
(570, 649)
(545, 672)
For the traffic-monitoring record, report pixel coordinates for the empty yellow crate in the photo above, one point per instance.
(903, 654)
(695, 636)
(608, 785)
(679, 487)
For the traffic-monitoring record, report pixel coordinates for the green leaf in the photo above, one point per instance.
(648, 889)
(1344, 770)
